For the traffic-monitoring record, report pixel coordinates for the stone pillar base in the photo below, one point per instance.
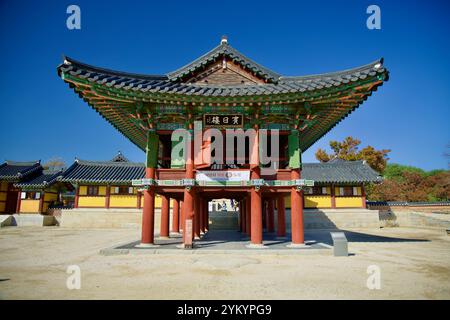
(163, 238)
(256, 246)
(297, 246)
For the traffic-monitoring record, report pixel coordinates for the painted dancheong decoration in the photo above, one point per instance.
(224, 89)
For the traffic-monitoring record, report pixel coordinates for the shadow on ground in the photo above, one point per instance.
(234, 240)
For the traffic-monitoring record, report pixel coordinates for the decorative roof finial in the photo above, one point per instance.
(224, 40)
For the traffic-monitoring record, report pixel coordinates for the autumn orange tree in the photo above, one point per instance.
(406, 183)
(348, 150)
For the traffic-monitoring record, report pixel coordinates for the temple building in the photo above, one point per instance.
(26, 187)
(223, 90)
(12, 172)
(106, 184)
(109, 184)
(41, 191)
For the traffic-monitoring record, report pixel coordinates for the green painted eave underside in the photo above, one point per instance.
(121, 113)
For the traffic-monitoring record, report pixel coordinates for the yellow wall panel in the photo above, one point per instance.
(3, 186)
(123, 201)
(348, 202)
(287, 202)
(98, 202)
(3, 196)
(317, 201)
(29, 206)
(2, 206)
(50, 196)
(83, 191)
(158, 201)
(102, 190)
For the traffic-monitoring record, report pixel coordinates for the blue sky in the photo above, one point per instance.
(41, 118)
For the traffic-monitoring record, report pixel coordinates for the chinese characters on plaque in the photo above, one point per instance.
(223, 120)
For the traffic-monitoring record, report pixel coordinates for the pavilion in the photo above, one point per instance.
(223, 84)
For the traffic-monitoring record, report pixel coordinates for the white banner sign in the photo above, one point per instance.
(231, 175)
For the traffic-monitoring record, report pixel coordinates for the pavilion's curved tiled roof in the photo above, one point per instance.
(126, 100)
(163, 84)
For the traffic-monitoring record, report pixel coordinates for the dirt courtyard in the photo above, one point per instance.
(413, 264)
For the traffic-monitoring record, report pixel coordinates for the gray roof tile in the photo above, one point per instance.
(16, 171)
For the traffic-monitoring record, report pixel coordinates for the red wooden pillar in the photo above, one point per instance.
(201, 212)
(333, 197)
(245, 222)
(176, 216)
(77, 196)
(165, 216)
(363, 196)
(248, 210)
(281, 217)
(264, 213)
(107, 196)
(256, 221)
(41, 202)
(19, 201)
(148, 212)
(296, 211)
(196, 217)
(139, 197)
(182, 215)
(188, 202)
(206, 215)
(270, 216)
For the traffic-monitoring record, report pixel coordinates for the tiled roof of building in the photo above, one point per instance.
(224, 50)
(124, 172)
(313, 104)
(340, 171)
(119, 157)
(166, 85)
(16, 171)
(98, 172)
(45, 179)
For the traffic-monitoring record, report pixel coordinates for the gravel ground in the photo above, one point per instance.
(414, 264)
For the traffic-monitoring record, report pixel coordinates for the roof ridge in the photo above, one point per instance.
(334, 73)
(67, 61)
(109, 162)
(42, 180)
(342, 162)
(221, 49)
(22, 163)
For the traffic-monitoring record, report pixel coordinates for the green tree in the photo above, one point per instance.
(395, 171)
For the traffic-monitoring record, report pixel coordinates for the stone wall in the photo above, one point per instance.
(105, 218)
(415, 219)
(313, 219)
(336, 219)
(27, 220)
